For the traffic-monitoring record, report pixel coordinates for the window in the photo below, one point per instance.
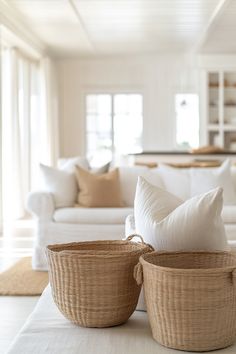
(187, 120)
(114, 124)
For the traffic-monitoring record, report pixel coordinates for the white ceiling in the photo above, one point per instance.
(93, 27)
(222, 37)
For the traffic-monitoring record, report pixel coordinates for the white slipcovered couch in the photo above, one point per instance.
(68, 223)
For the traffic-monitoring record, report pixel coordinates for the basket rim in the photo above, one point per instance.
(141, 247)
(193, 271)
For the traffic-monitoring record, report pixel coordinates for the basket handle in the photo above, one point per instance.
(130, 237)
(138, 273)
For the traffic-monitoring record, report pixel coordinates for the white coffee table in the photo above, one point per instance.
(47, 332)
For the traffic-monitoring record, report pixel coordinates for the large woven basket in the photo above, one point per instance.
(92, 282)
(190, 298)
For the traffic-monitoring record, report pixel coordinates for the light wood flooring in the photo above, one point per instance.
(14, 310)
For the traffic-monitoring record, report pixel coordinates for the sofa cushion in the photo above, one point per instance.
(205, 179)
(229, 214)
(92, 215)
(129, 177)
(176, 180)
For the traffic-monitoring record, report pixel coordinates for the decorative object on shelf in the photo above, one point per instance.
(148, 164)
(195, 163)
(230, 103)
(92, 282)
(200, 314)
(214, 103)
(208, 149)
(213, 84)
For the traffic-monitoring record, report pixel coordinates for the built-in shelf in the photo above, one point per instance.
(229, 127)
(221, 108)
(213, 127)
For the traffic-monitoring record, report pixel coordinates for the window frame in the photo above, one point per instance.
(109, 91)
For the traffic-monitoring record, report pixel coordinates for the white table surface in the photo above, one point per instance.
(47, 332)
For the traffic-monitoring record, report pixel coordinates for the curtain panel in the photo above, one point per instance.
(29, 128)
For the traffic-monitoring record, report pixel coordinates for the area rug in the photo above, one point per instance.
(22, 280)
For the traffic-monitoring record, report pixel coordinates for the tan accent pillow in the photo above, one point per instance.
(99, 190)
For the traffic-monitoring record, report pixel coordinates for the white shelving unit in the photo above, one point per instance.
(221, 108)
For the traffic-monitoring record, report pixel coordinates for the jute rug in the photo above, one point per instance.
(21, 280)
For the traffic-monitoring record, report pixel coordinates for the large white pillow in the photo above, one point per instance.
(176, 180)
(167, 223)
(61, 184)
(204, 179)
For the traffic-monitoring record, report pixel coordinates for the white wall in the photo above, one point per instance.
(158, 77)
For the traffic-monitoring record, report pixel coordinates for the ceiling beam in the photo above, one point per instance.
(207, 30)
(82, 27)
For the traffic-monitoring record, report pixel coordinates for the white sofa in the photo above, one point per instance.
(69, 224)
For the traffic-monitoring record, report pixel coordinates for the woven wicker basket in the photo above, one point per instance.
(190, 298)
(92, 282)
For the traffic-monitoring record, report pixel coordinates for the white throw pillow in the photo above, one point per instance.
(61, 184)
(204, 179)
(100, 170)
(167, 223)
(176, 180)
(68, 164)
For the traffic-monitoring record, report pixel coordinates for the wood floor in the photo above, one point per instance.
(14, 310)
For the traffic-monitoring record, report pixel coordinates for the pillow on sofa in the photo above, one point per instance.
(61, 184)
(176, 180)
(129, 177)
(204, 179)
(168, 223)
(99, 190)
(68, 164)
(100, 170)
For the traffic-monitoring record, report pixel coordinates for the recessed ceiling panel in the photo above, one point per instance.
(118, 26)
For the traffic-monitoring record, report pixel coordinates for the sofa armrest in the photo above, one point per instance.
(41, 205)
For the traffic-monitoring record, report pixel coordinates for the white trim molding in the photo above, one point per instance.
(15, 23)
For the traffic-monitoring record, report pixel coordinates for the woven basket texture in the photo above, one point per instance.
(190, 298)
(92, 282)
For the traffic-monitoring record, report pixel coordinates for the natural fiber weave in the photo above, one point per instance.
(22, 280)
(92, 282)
(190, 298)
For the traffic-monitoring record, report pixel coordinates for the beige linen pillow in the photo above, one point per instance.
(99, 190)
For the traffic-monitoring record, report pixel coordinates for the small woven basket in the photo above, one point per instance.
(92, 282)
(190, 298)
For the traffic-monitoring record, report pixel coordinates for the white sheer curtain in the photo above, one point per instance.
(49, 105)
(29, 127)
